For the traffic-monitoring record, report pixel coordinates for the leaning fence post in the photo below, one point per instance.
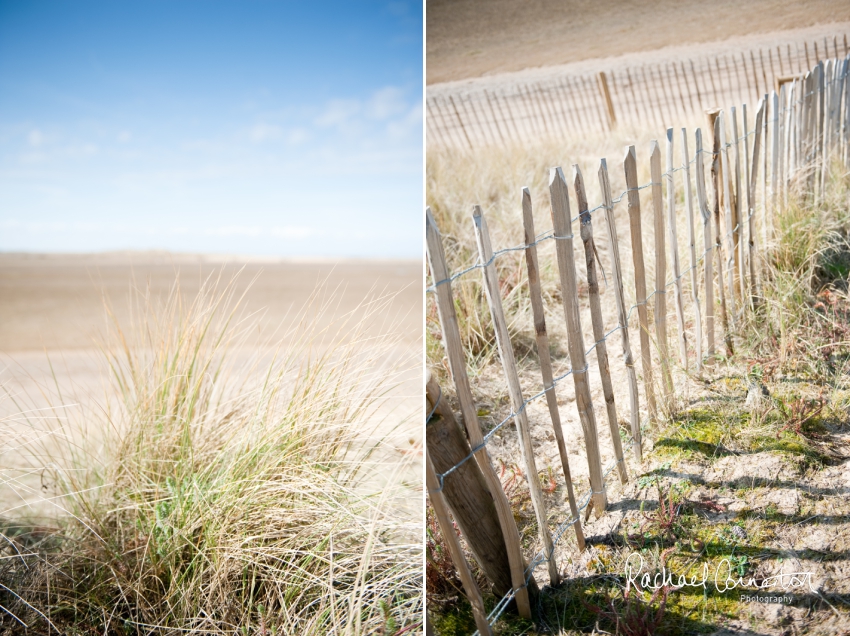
(465, 490)
(590, 256)
(727, 204)
(630, 169)
(706, 235)
(689, 201)
(457, 365)
(563, 234)
(660, 272)
(674, 251)
(751, 200)
(506, 353)
(606, 95)
(543, 352)
(716, 176)
(738, 229)
(746, 138)
(622, 317)
(449, 536)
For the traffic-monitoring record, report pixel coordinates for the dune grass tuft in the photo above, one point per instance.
(221, 491)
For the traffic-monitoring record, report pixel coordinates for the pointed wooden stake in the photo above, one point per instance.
(559, 198)
(506, 353)
(545, 360)
(450, 537)
(751, 202)
(457, 364)
(689, 201)
(590, 256)
(674, 252)
(705, 213)
(622, 317)
(660, 273)
(630, 169)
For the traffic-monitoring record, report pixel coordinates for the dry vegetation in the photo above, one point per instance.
(210, 496)
(751, 463)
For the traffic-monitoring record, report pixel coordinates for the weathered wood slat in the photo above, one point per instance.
(457, 364)
(716, 176)
(622, 317)
(506, 353)
(751, 198)
(689, 202)
(727, 212)
(738, 217)
(590, 257)
(708, 261)
(451, 540)
(630, 169)
(660, 273)
(563, 232)
(674, 253)
(465, 490)
(542, 338)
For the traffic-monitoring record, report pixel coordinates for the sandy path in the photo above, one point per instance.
(52, 319)
(471, 38)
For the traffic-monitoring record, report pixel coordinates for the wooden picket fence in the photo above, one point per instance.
(736, 177)
(652, 94)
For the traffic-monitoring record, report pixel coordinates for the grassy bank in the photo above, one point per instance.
(218, 492)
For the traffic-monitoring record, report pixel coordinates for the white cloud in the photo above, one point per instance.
(385, 103)
(339, 113)
(264, 132)
(124, 136)
(36, 138)
(298, 136)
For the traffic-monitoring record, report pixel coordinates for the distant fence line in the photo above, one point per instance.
(649, 94)
(797, 133)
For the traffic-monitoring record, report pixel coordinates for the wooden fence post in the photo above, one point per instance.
(630, 169)
(543, 352)
(457, 365)
(737, 219)
(506, 353)
(717, 175)
(745, 257)
(705, 213)
(563, 233)
(782, 154)
(674, 252)
(465, 490)
(622, 317)
(590, 256)
(727, 204)
(774, 161)
(817, 131)
(460, 121)
(689, 201)
(660, 273)
(606, 95)
(449, 536)
(751, 201)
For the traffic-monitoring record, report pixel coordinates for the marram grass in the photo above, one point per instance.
(220, 497)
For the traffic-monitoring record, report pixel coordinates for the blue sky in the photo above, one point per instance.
(249, 127)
